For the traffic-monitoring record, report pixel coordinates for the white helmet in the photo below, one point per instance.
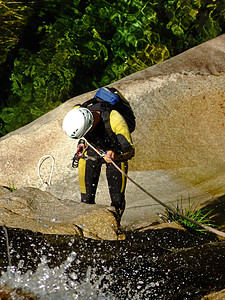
(78, 122)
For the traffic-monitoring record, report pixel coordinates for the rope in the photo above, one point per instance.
(209, 228)
(7, 245)
(41, 160)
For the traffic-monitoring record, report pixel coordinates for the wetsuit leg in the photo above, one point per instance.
(117, 184)
(89, 172)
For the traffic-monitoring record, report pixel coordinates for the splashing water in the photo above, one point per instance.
(50, 284)
(156, 265)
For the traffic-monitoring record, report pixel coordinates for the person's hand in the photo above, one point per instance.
(110, 155)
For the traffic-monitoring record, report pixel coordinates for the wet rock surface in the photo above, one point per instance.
(215, 296)
(16, 294)
(39, 211)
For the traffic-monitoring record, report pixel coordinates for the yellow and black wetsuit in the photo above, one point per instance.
(118, 140)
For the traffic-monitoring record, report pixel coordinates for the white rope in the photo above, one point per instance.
(41, 160)
(209, 228)
(96, 150)
(7, 245)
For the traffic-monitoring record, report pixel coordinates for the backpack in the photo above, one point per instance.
(112, 99)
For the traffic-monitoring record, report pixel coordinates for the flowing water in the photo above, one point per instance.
(155, 264)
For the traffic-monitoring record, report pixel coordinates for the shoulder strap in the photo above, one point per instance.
(111, 135)
(89, 102)
(105, 117)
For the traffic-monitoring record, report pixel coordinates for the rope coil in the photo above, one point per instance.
(41, 160)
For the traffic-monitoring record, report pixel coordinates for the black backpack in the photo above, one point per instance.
(112, 99)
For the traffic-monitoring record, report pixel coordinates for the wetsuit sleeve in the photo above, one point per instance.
(121, 130)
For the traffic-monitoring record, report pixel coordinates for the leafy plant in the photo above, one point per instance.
(81, 45)
(200, 215)
(13, 19)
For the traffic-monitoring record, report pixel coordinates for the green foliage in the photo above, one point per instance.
(192, 22)
(200, 215)
(13, 19)
(87, 44)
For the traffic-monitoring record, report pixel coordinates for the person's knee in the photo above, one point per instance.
(89, 199)
(118, 201)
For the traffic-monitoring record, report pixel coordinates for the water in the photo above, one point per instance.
(54, 283)
(157, 264)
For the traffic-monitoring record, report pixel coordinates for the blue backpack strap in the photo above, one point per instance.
(107, 96)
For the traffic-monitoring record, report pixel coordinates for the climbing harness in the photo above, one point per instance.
(81, 149)
(76, 158)
(206, 227)
(41, 160)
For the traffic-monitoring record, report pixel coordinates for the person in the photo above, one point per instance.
(115, 143)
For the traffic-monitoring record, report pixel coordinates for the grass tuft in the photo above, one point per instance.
(201, 216)
(12, 187)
